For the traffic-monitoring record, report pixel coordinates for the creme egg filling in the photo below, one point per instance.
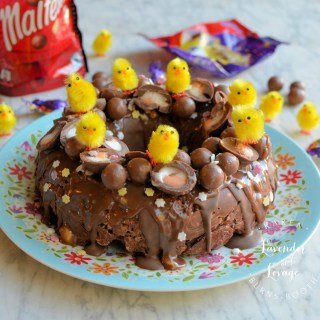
(172, 177)
(113, 144)
(95, 156)
(71, 133)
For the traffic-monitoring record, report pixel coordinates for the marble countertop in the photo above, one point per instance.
(30, 290)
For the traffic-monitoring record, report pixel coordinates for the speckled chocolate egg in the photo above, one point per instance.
(296, 96)
(228, 162)
(183, 156)
(211, 176)
(212, 144)
(200, 157)
(184, 107)
(297, 84)
(116, 108)
(114, 176)
(275, 83)
(139, 170)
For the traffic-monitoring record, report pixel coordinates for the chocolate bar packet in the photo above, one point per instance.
(40, 44)
(224, 48)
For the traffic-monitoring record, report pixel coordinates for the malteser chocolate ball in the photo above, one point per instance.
(116, 108)
(182, 156)
(184, 107)
(211, 176)
(139, 170)
(295, 96)
(200, 157)
(114, 176)
(212, 144)
(297, 84)
(39, 41)
(100, 80)
(100, 75)
(228, 162)
(275, 83)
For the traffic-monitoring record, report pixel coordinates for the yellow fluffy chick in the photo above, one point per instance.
(164, 144)
(241, 93)
(102, 42)
(82, 95)
(123, 75)
(7, 120)
(271, 105)
(178, 76)
(91, 130)
(308, 117)
(248, 124)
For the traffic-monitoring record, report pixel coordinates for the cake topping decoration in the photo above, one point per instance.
(54, 175)
(114, 176)
(178, 76)
(65, 199)
(82, 95)
(46, 187)
(65, 172)
(202, 196)
(182, 236)
(124, 76)
(135, 114)
(122, 192)
(160, 203)
(116, 108)
(149, 192)
(242, 93)
(266, 201)
(55, 164)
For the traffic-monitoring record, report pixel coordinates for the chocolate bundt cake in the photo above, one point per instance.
(215, 192)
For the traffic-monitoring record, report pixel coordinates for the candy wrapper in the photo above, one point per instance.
(46, 106)
(40, 44)
(223, 48)
(314, 151)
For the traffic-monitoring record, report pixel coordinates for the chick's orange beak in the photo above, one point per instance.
(89, 131)
(245, 121)
(177, 72)
(3, 114)
(245, 92)
(166, 136)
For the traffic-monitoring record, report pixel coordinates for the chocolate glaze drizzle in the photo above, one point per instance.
(86, 213)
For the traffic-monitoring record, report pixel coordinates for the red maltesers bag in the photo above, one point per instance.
(40, 44)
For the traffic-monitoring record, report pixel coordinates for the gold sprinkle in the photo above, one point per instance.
(149, 192)
(122, 192)
(135, 114)
(160, 203)
(266, 201)
(81, 252)
(46, 187)
(65, 172)
(65, 199)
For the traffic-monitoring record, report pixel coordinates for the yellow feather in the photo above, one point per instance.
(271, 105)
(242, 92)
(102, 42)
(248, 124)
(82, 95)
(164, 144)
(91, 130)
(178, 76)
(123, 75)
(7, 119)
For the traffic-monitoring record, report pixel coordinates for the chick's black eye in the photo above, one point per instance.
(279, 99)
(94, 129)
(119, 71)
(161, 131)
(77, 78)
(239, 120)
(172, 132)
(69, 85)
(248, 118)
(174, 68)
(9, 111)
(84, 127)
(184, 68)
(248, 89)
(238, 92)
(128, 68)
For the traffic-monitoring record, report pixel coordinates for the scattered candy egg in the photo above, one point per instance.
(275, 83)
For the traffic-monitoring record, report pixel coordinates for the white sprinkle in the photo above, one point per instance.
(250, 175)
(182, 236)
(54, 175)
(46, 187)
(213, 159)
(109, 133)
(202, 196)
(194, 115)
(120, 135)
(50, 232)
(271, 196)
(55, 164)
(160, 203)
(239, 186)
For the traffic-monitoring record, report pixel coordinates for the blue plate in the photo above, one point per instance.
(287, 227)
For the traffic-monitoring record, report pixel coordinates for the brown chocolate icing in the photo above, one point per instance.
(158, 222)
